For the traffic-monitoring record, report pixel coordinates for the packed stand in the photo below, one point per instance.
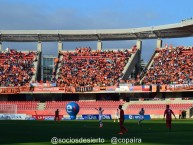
(133, 81)
(85, 67)
(16, 67)
(171, 66)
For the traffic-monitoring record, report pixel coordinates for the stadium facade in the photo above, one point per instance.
(100, 77)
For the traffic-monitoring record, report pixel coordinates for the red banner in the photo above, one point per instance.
(177, 87)
(45, 117)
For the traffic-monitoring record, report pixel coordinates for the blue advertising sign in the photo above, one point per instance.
(65, 118)
(30, 118)
(136, 117)
(12, 116)
(80, 118)
(95, 116)
(49, 118)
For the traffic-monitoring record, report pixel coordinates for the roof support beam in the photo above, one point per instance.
(99, 45)
(159, 43)
(182, 29)
(39, 46)
(60, 46)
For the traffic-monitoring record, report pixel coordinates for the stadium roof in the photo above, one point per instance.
(182, 29)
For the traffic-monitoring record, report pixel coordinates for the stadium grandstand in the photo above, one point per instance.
(97, 78)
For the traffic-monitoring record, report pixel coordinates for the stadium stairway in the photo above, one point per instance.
(147, 66)
(58, 64)
(35, 73)
(35, 63)
(133, 60)
(41, 106)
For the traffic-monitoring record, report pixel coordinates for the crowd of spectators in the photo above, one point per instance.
(85, 67)
(171, 66)
(16, 67)
(133, 81)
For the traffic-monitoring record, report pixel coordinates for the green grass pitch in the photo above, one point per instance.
(153, 132)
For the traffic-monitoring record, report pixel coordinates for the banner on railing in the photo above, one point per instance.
(46, 89)
(131, 88)
(9, 90)
(43, 84)
(12, 116)
(95, 116)
(84, 89)
(111, 88)
(68, 118)
(45, 117)
(136, 117)
(176, 87)
(114, 89)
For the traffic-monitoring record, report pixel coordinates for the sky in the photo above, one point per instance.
(93, 14)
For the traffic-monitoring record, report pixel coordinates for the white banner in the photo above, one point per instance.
(12, 116)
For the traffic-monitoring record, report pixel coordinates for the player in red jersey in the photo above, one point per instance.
(168, 113)
(57, 115)
(121, 121)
